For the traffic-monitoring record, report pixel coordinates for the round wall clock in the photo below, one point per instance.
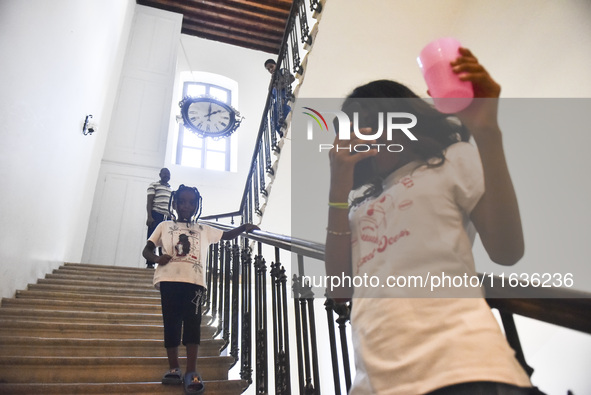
(209, 117)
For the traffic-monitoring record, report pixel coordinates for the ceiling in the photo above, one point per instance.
(253, 24)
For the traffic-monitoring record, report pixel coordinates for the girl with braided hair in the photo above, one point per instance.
(180, 277)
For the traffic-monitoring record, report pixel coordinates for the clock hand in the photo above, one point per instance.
(211, 113)
(208, 112)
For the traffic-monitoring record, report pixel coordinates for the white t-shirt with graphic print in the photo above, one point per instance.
(405, 341)
(188, 244)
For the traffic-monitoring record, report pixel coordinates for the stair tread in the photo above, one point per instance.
(10, 316)
(26, 323)
(90, 266)
(63, 360)
(97, 329)
(96, 283)
(93, 329)
(96, 290)
(54, 303)
(78, 347)
(65, 295)
(33, 340)
(219, 387)
(12, 310)
(145, 277)
(91, 271)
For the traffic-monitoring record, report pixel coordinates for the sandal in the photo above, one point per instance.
(194, 383)
(173, 376)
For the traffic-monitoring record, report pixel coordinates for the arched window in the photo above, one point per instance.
(206, 153)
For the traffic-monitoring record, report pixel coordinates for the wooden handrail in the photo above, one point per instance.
(568, 313)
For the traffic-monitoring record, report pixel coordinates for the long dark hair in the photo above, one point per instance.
(434, 131)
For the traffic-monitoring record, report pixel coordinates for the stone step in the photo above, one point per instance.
(105, 268)
(37, 328)
(64, 295)
(92, 329)
(95, 290)
(120, 280)
(73, 316)
(16, 369)
(72, 347)
(80, 305)
(145, 274)
(218, 387)
(80, 316)
(90, 283)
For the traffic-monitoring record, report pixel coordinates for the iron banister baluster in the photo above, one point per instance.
(261, 322)
(274, 313)
(262, 186)
(209, 271)
(344, 312)
(308, 385)
(314, 345)
(214, 284)
(315, 5)
(234, 350)
(299, 338)
(513, 340)
(304, 28)
(246, 313)
(255, 193)
(328, 305)
(287, 372)
(220, 300)
(227, 278)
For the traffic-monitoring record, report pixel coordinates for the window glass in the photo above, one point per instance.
(216, 145)
(191, 157)
(220, 94)
(195, 90)
(216, 161)
(191, 139)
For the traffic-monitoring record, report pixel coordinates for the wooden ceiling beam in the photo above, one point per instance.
(243, 25)
(210, 9)
(244, 42)
(254, 21)
(254, 24)
(275, 8)
(231, 30)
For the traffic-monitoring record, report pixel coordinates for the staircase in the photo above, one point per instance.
(90, 329)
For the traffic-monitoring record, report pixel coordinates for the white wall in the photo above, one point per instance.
(60, 61)
(535, 49)
(136, 146)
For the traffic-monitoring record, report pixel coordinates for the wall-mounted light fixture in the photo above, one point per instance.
(87, 128)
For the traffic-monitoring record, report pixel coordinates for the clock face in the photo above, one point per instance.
(208, 117)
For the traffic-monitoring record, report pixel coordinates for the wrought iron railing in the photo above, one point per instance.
(251, 302)
(245, 289)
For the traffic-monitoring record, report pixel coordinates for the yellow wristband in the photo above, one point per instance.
(332, 232)
(342, 206)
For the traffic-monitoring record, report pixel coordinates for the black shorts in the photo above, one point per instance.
(484, 388)
(181, 312)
